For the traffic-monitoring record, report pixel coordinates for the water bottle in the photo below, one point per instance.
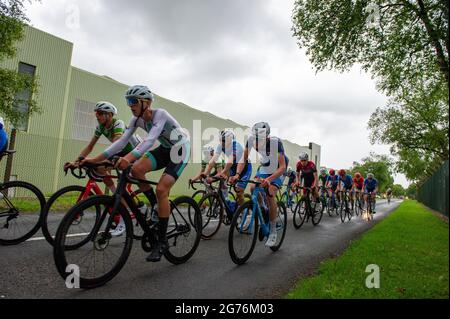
(232, 206)
(143, 208)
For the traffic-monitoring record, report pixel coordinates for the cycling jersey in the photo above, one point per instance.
(323, 180)
(117, 127)
(370, 185)
(235, 150)
(347, 180)
(359, 183)
(162, 127)
(269, 156)
(307, 172)
(334, 180)
(291, 177)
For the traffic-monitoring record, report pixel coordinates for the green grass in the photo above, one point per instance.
(410, 247)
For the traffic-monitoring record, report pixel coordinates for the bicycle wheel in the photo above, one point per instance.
(357, 207)
(330, 207)
(57, 206)
(183, 232)
(211, 209)
(101, 256)
(342, 210)
(21, 207)
(281, 225)
(348, 210)
(370, 209)
(198, 195)
(243, 233)
(318, 209)
(300, 213)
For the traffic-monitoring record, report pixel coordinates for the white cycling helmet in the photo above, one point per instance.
(303, 156)
(139, 92)
(261, 129)
(323, 170)
(289, 170)
(105, 107)
(370, 175)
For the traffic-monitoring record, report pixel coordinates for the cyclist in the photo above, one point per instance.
(3, 136)
(172, 154)
(323, 177)
(208, 153)
(370, 186)
(112, 128)
(389, 194)
(346, 184)
(234, 152)
(332, 184)
(273, 165)
(307, 171)
(290, 174)
(358, 184)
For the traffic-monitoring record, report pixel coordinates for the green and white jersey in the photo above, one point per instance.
(117, 127)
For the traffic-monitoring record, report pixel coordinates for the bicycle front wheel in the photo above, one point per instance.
(281, 223)
(184, 230)
(21, 207)
(342, 211)
(300, 213)
(318, 208)
(98, 256)
(211, 209)
(57, 206)
(243, 233)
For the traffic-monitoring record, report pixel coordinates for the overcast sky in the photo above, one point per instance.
(236, 59)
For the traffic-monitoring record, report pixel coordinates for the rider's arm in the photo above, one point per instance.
(120, 143)
(241, 163)
(211, 164)
(316, 177)
(88, 149)
(228, 165)
(280, 171)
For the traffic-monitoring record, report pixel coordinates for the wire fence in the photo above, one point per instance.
(434, 192)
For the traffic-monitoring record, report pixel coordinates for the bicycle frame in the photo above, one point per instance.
(264, 226)
(122, 192)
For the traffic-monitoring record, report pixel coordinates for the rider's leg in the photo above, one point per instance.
(139, 169)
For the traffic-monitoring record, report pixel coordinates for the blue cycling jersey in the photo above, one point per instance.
(3, 136)
(236, 151)
(333, 179)
(370, 184)
(347, 180)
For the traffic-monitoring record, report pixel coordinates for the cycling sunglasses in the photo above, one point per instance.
(132, 101)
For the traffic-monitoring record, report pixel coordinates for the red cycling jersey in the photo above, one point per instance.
(359, 183)
(307, 172)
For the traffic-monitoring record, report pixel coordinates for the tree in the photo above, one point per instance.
(379, 165)
(398, 190)
(397, 41)
(411, 191)
(417, 127)
(405, 46)
(12, 21)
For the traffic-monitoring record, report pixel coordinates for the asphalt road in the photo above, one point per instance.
(28, 271)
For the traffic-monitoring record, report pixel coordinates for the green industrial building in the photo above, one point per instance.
(67, 96)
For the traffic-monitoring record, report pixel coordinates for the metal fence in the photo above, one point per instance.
(434, 193)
